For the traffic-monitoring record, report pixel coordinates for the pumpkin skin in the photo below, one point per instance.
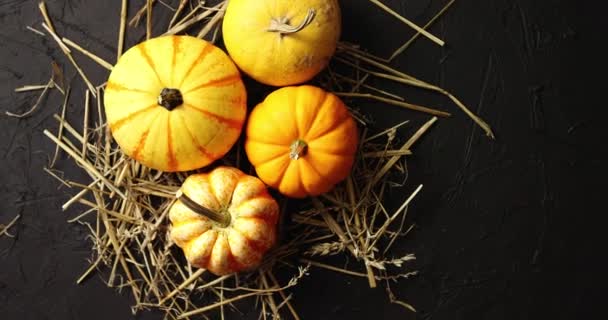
(177, 136)
(276, 58)
(301, 140)
(224, 248)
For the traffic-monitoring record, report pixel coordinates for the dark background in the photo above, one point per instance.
(506, 229)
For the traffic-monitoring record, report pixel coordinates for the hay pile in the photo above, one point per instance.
(128, 203)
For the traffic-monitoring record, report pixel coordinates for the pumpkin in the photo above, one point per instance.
(282, 42)
(224, 220)
(175, 103)
(301, 140)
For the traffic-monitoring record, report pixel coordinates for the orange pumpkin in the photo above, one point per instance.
(301, 140)
(175, 103)
(224, 220)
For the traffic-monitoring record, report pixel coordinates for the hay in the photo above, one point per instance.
(5, 228)
(127, 204)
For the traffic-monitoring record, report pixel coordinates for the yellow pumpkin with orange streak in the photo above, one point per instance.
(175, 103)
(301, 140)
(224, 220)
(282, 42)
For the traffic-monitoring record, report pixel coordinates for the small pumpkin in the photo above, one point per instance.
(282, 42)
(175, 103)
(301, 140)
(224, 220)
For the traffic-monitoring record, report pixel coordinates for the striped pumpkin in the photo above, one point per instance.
(175, 103)
(224, 220)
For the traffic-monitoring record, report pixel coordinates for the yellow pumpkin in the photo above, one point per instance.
(282, 42)
(224, 220)
(301, 140)
(175, 103)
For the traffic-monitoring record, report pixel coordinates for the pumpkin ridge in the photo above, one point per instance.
(262, 195)
(217, 82)
(300, 179)
(302, 109)
(121, 122)
(220, 248)
(282, 181)
(199, 59)
(326, 152)
(337, 124)
(144, 52)
(215, 135)
(276, 157)
(140, 144)
(281, 173)
(259, 243)
(231, 192)
(234, 124)
(333, 154)
(198, 145)
(329, 131)
(256, 189)
(320, 148)
(314, 169)
(113, 86)
(233, 264)
(203, 261)
(173, 164)
(142, 141)
(252, 243)
(213, 192)
(270, 143)
(189, 220)
(176, 42)
(187, 224)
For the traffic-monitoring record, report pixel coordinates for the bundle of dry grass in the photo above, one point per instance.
(128, 203)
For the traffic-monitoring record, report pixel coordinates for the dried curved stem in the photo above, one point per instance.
(282, 26)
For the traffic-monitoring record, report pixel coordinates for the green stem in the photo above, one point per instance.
(221, 219)
(298, 149)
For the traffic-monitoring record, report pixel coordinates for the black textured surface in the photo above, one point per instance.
(506, 229)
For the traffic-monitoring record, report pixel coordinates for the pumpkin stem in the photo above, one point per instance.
(283, 28)
(170, 98)
(221, 219)
(298, 149)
